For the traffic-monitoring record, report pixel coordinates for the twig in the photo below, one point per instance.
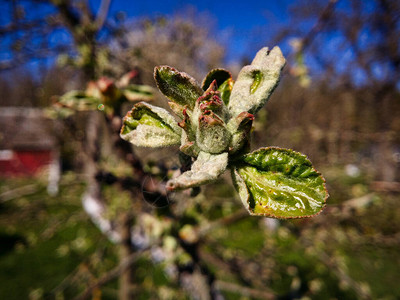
(102, 14)
(322, 20)
(245, 291)
(72, 277)
(114, 273)
(19, 192)
(385, 186)
(236, 216)
(339, 271)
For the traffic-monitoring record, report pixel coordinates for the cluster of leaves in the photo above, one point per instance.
(214, 130)
(105, 95)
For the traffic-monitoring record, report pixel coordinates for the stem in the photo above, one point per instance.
(122, 267)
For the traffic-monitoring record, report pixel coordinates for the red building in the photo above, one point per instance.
(27, 142)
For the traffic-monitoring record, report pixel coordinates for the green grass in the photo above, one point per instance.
(44, 239)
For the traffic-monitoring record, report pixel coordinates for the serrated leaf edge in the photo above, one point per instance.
(246, 201)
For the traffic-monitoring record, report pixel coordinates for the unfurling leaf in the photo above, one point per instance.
(223, 80)
(205, 169)
(220, 75)
(226, 88)
(177, 86)
(150, 126)
(279, 183)
(256, 82)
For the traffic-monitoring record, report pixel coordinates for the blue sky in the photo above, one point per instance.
(238, 20)
(241, 26)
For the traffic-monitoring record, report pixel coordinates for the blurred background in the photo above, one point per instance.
(338, 102)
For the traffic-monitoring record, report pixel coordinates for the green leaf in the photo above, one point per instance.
(137, 92)
(256, 82)
(207, 168)
(150, 126)
(220, 75)
(224, 82)
(79, 101)
(279, 183)
(177, 86)
(226, 88)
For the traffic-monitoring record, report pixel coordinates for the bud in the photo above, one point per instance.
(209, 117)
(212, 135)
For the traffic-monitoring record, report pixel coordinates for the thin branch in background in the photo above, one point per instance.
(102, 14)
(111, 275)
(244, 291)
(224, 221)
(25, 190)
(323, 18)
(332, 264)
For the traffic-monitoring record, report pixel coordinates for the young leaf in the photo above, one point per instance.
(79, 101)
(224, 82)
(177, 86)
(205, 169)
(136, 92)
(220, 75)
(256, 82)
(279, 183)
(150, 126)
(226, 88)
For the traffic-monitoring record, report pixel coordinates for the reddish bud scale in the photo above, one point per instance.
(210, 118)
(185, 123)
(245, 119)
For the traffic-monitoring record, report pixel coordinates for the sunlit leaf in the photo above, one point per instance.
(79, 101)
(279, 183)
(177, 86)
(207, 168)
(256, 82)
(149, 126)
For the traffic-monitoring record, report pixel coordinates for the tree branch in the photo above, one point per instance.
(114, 273)
(245, 291)
(102, 13)
(233, 218)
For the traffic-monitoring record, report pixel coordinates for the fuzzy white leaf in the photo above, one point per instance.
(256, 82)
(205, 169)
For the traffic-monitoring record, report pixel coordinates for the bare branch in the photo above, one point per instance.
(233, 218)
(245, 291)
(114, 273)
(102, 14)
